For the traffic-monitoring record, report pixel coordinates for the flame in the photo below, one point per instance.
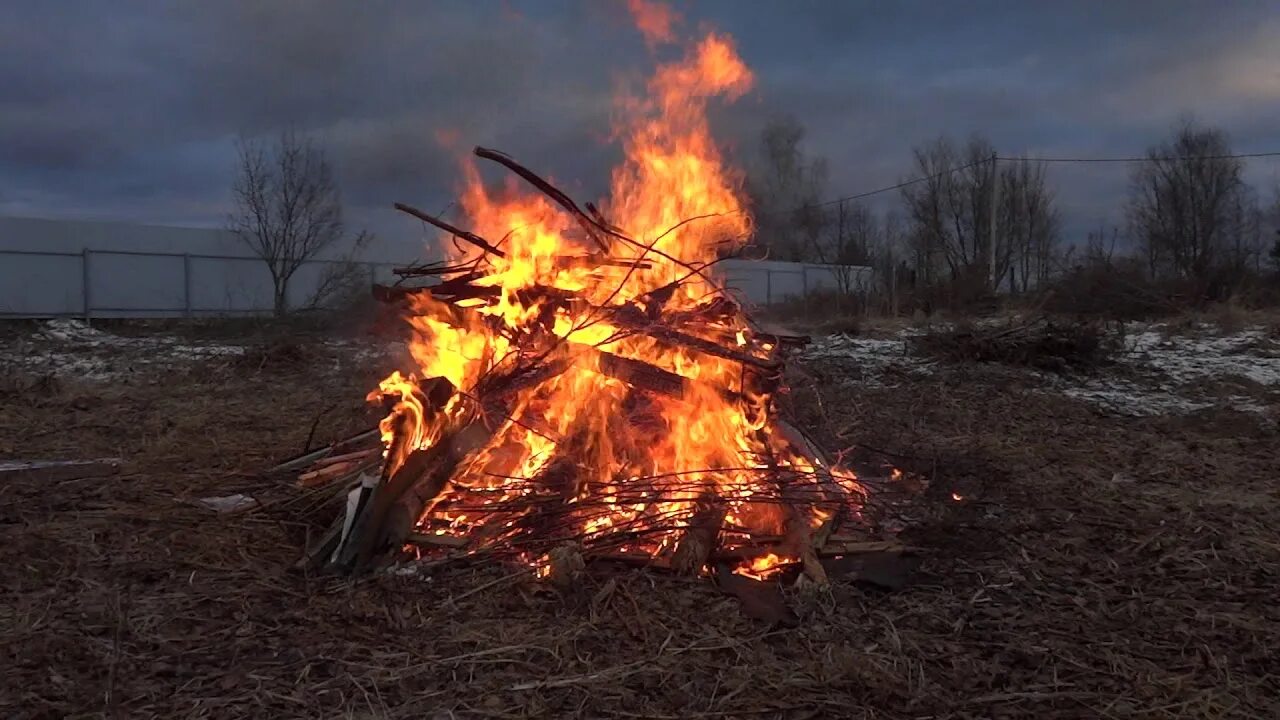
(628, 465)
(654, 20)
(763, 567)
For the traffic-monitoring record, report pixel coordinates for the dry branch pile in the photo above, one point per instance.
(619, 404)
(1040, 343)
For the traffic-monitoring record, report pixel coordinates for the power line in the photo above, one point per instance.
(1164, 158)
(902, 184)
(958, 168)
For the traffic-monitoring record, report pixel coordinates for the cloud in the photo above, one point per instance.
(128, 109)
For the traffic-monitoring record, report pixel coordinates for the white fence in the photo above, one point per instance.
(51, 268)
(138, 284)
(127, 283)
(765, 282)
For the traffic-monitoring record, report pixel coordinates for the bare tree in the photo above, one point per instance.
(786, 189)
(1187, 202)
(1271, 228)
(287, 207)
(853, 232)
(950, 213)
(1027, 227)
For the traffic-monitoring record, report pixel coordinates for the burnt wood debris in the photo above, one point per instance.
(384, 501)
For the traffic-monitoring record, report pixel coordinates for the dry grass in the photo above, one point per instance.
(1098, 567)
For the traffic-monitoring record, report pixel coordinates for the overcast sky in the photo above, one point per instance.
(128, 110)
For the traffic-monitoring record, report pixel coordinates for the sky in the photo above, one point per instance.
(129, 110)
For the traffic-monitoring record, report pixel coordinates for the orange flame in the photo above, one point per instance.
(654, 20)
(625, 462)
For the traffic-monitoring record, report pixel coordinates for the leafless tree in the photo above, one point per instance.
(1027, 228)
(1270, 235)
(1188, 207)
(950, 213)
(786, 189)
(852, 235)
(287, 207)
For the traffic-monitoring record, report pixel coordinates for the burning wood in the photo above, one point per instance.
(583, 386)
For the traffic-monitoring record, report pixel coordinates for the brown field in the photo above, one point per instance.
(1097, 566)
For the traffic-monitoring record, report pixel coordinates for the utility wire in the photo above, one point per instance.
(1141, 159)
(958, 168)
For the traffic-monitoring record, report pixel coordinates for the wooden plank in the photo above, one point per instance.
(309, 457)
(57, 470)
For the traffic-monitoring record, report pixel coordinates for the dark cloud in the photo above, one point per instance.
(129, 109)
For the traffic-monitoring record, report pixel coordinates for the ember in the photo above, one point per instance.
(584, 382)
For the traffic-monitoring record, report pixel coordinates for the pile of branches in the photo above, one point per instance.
(386, 500)
(1041, 343)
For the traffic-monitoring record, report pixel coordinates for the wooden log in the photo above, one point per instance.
(632, 319)
(699, 540)
(642, 375)
(809, 449)
(565, 565)
(399, 500)
(57, 470)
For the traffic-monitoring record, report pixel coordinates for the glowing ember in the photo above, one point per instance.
(623, 400)
(763, 567)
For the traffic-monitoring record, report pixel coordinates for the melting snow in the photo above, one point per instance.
(1159, 372)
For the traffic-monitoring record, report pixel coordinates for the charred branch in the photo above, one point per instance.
(457, 232)
(588, 224)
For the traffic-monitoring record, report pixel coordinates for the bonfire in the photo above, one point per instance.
(583, 386)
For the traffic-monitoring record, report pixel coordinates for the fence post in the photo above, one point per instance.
(186, 284)
(84, 283)
(804, 288)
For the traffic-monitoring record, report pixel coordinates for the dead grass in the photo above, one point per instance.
(1097, 567)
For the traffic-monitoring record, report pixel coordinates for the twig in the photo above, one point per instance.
(587, 222)
(311, 434)
(456, 231)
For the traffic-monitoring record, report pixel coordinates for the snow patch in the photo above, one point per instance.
(1158, 372)
(871, 356)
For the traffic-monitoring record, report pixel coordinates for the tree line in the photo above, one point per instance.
(968, 226)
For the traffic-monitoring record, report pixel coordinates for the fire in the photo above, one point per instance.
(763, 567)
(654, 20)
(633, 470)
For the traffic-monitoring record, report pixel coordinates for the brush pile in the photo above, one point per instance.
(1040, 343)
(570, 406)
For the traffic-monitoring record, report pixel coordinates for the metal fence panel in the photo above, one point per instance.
(122, 284)
(40, 284)
(229, 285)
(116, 283)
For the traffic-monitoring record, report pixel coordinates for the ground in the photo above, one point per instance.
(1106, 557)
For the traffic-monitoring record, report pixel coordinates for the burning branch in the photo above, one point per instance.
(455, 231)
